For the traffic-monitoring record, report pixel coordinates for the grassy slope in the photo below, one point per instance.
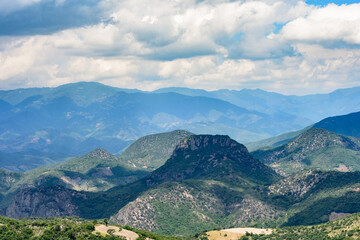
(152, 151)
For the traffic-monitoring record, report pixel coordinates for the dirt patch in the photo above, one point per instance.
(130, 235)
(342, 168)
(335, 215)
(235, 233)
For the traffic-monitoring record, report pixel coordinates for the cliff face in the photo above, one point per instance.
(52, 201)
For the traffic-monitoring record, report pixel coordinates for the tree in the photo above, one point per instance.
(106, 221)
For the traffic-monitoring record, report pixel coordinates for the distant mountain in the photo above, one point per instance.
(151, 152)
(76, 118)
(275, 141)
(314, 107)
(348, 125)
(315, 148)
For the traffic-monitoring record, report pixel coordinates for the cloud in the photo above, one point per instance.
(283, 46)
(329, 24)
(31, 17)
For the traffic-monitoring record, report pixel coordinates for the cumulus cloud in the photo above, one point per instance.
(284, 46)
(332, 23)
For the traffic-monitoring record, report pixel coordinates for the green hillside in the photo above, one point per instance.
(315, 148)
(152, 151)
(63, 228)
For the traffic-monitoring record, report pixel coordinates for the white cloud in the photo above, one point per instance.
(199, 44)
(330, 23)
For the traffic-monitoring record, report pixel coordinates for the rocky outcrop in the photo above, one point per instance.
(208, 156)
(51, 201)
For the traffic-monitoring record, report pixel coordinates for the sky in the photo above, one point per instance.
(290, 47)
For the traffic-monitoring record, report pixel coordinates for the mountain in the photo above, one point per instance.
(315, 148)
(74, 119)
(98, 170)
(313, 107)
(348, 125)
(275, 141)
(212, 157)
(212, 171)
(208, 182)
(151, 151)
(204, 185)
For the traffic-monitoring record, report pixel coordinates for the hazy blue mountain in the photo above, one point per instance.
(348, 125)
(76, 118)
(314, 107)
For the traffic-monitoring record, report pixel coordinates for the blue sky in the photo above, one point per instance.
(324, 3)
(291, 47)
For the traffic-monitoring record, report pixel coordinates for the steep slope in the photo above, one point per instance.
(315, 148)
(215, 157)
(150, 152)
(315, 196)
(348, 125)
(205, 184)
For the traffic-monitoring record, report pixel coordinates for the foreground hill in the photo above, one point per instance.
(315, 148)
(68, 228)
(345, 228)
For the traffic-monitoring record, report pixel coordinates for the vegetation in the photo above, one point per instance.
(66, 228)
(152, 151)
(315, 148)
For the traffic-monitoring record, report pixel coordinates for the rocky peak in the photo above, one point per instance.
(207, 141)
(213, 157)
(100, 153)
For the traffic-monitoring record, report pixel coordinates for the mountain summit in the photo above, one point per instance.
(216, 157)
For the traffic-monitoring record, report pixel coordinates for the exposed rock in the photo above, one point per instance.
(52, 201)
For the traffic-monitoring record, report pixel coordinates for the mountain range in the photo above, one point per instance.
(178, 182)
(73, 119)
(208, 182)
